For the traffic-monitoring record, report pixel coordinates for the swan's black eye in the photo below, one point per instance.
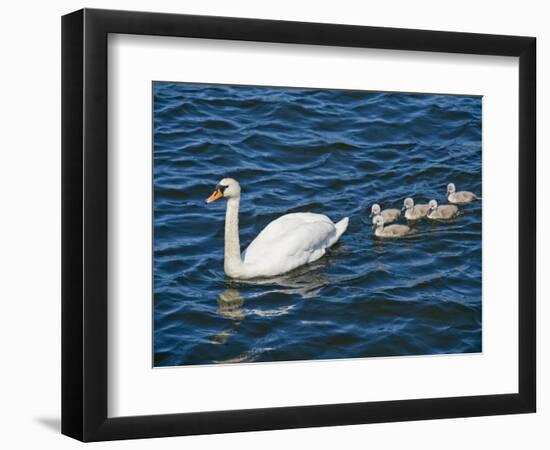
(221, 187)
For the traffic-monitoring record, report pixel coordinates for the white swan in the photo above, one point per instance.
(389, 215)
(286, 243)
(391, 231)
(442, 212)
(461, 196)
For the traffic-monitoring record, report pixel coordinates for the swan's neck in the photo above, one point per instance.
(232, 253)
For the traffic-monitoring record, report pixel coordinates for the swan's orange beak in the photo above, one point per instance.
(216, 195)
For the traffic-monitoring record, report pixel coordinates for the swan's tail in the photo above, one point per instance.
(340, 228)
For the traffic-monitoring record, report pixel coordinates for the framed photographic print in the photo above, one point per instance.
(273, 224)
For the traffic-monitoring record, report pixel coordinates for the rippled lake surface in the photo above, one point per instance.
(333, 152)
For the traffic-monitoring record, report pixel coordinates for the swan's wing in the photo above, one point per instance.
(462, 197)
(466, 196)
(292, 239)
(390, 215)
(422, 209)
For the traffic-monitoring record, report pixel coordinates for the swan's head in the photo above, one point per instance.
(408, 203)
(375, 210)
(227, 188)
(377, 222)
(433, 205)
(451, 188)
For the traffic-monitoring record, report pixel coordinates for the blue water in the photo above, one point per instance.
(325, 151)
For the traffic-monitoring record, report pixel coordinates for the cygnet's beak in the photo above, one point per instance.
(216, 195)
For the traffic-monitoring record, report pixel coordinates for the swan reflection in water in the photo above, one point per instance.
(230, 305)
(306, 281)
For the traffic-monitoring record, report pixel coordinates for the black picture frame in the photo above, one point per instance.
(84, 224)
